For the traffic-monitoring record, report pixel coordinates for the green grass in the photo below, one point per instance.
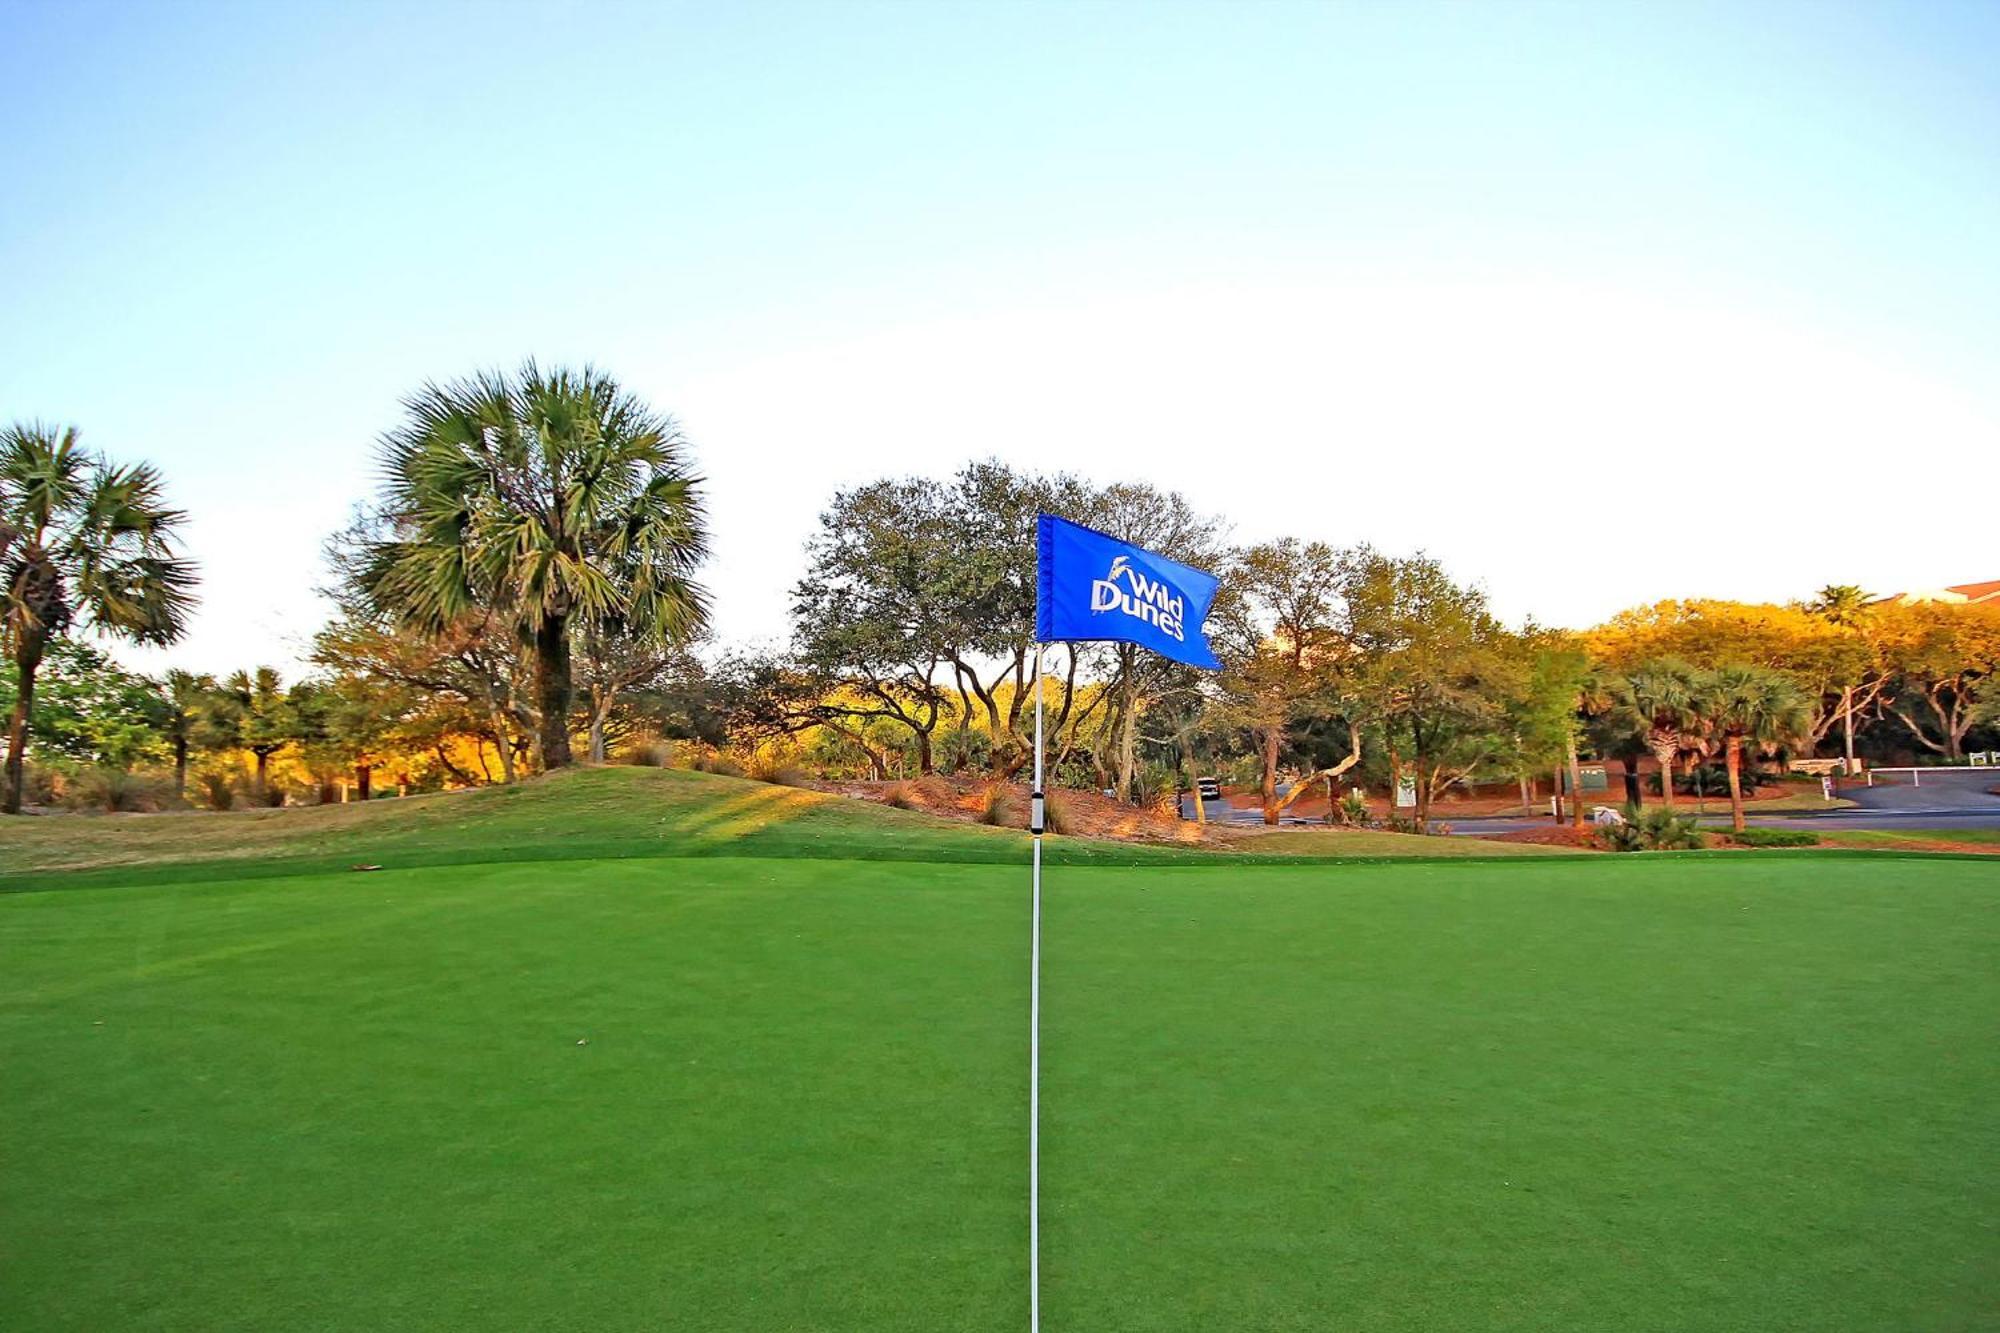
(1712, 1091)
(1892, 839)
(590, 814)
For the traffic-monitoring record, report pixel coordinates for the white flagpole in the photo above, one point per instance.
(1037, 809)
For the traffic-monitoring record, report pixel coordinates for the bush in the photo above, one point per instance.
(999, 808)
(1353, 810)
(44, 784)
(217, 790)
(783, 775)
(902, 796)
(1654, 829)
(1775, 837)
(1669, 831)
(650, 752)
(1621, 837)
(720, 764)
(116, 791)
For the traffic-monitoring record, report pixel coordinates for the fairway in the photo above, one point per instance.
(766, 1092)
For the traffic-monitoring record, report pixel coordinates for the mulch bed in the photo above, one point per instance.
(1547, 835)
(1089, 814)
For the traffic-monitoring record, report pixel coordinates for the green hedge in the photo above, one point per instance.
(1775, 837)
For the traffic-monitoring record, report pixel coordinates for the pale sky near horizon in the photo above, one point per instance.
(1598, 303)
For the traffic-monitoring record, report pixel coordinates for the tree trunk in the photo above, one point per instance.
(180, 768)
(597, 734)
(463, 778)
(1269, 786)
(552, 690)
(364, 775)
(1733, 754)
(1527, 794)
(263, 772)
(925, 764)
(1847, 726)
(1664, 753)
(1304, 784)
(27, 661)
(1634, 797)
(503, 745)
(1128, 742)
(1575, 785)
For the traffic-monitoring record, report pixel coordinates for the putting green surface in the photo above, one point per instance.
(769, 1093)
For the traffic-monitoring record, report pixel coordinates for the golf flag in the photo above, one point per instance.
(1093, 587)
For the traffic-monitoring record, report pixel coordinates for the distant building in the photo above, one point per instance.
(1963, 594)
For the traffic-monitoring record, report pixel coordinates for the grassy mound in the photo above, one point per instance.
(582, 814)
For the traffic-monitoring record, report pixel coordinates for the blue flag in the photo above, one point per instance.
(1096, 588)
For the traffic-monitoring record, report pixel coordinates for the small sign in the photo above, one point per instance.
(1406, 792)
(1593, 777)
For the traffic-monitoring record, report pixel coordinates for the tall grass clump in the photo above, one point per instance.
(999, 808)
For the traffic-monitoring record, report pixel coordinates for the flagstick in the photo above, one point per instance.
(1036, 821)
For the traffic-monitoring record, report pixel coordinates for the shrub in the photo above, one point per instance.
(44, 784)
(902, 796)
(1621, 837)
(783, 775)
(1654, 829)
(1669, 831)
(1353, 810)
(116, 791)
(999, 809)
(217, 790)
(1775, 837)
(720, 764)
(648, 752)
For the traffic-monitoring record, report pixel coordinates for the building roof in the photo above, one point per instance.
(1956, 593)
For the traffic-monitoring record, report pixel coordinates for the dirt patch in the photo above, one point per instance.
(1088, 814)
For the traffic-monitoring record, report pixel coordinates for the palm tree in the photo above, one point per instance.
(1657, 700)
(1845, 606)
(1749, 704)
(556, 499)
(188, 716)
(257, 715)
(83, 544)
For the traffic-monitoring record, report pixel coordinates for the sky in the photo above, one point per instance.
(1597, 303)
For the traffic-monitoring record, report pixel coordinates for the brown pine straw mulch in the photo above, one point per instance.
(1090, 815)
(1547, 835)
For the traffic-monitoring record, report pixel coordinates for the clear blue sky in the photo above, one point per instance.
(1456, 277)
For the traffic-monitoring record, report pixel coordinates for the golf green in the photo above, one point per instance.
(762, 1093)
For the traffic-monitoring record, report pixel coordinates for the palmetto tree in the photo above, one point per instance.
(1749, 705)
(555, 498)
(188, 716)
(84, 543)
(1658, 699)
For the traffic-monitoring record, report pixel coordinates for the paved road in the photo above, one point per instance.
(1940, 798)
